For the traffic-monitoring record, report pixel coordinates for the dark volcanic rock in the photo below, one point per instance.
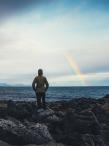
(2, 143)
(79, 122)
(3, 109)
(20, 110)
(72, 127)
(48, 144)
(47, 115)
(93, 140)
(14, 132)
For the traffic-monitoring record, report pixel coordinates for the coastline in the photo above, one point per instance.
(78, 122)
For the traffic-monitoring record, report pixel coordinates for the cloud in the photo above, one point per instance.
(91, 79)
(10, 7)
(39, 38)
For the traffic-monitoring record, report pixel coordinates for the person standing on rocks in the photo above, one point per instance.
(40, 86)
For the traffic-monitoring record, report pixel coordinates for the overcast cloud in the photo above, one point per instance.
(36, 34)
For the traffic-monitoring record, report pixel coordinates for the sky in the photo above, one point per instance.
(68, 39)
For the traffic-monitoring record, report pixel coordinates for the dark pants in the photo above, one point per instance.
(41, 99)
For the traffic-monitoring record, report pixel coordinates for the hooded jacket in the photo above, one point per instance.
(40, 84)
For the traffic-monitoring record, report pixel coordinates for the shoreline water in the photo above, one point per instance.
(53, 94)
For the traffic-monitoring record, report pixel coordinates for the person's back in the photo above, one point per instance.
(40, 86)
(41, 82)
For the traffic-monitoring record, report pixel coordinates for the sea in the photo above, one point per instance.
(53, 93)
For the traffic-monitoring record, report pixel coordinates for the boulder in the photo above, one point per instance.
(14, 132)
(106, 98)
(72, 126)
(2, 143)
(20, 110)
(53, 118)
(44, 115)
(48, 144)
(93, 140)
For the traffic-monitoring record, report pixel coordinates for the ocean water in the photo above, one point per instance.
(53, 93)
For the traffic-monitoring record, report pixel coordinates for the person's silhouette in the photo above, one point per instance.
(40, 86)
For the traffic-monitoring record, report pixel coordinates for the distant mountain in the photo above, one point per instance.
(13, 85)
(4, 84)
(19, 85)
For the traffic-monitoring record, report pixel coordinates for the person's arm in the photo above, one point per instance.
(33, 84)
(47, 84)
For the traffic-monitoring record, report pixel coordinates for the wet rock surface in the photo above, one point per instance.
(78, 122)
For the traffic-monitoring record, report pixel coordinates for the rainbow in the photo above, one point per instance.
(72, 63)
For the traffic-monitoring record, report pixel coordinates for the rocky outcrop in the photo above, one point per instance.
(78, 122)
(14, 132)
(47, 115)
(2, 143)
(48, 144)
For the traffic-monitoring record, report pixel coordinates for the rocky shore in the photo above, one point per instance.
(78, 122)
